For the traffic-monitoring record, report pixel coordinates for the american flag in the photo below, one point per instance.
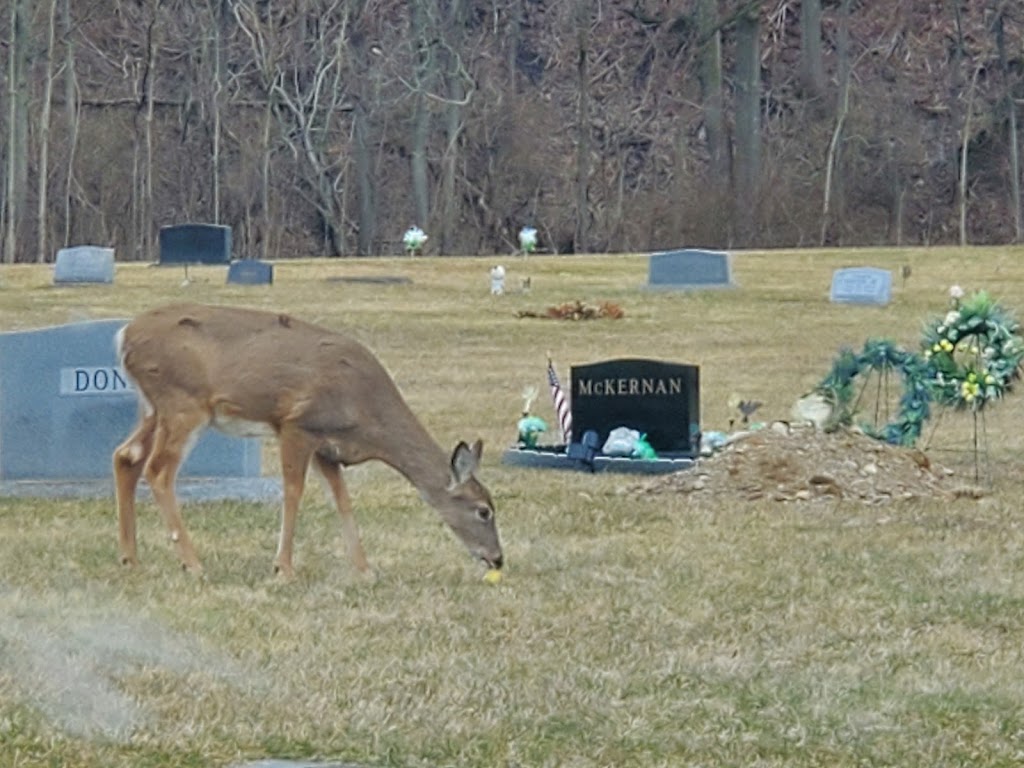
(561, 404)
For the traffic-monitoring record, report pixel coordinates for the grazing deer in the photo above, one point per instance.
(325, 396)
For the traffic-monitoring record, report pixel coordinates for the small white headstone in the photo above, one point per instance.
(84, 264)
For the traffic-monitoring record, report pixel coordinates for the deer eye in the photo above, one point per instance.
(484, 513)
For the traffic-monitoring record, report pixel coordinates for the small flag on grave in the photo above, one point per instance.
(561, 404)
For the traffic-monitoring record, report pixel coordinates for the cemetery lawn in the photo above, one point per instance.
(629, 629)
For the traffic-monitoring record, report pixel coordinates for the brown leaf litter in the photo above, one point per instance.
(790, 464)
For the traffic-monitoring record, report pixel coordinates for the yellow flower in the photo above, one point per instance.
(947, 345)
(990, 379)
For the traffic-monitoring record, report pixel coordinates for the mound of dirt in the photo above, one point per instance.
(807, 465)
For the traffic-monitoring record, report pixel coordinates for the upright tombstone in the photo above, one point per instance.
(658, 399)
(84, 264)
(195, 244)
(689, 269)
(250, 272)
(65, 405)
(861, 285)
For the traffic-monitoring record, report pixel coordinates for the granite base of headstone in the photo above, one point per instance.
(861, 285)
(658, 399)
(84, 264)
(65, 405)
(195, 244)
(250, 272)
(689, 269)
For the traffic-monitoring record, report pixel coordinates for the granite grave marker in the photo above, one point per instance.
(861, 285)
(65, 404)
(656, 398)
(250, 272)
(84, 264)
(195, 244)
(689, 269)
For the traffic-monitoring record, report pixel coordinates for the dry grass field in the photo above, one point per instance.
(630, 629)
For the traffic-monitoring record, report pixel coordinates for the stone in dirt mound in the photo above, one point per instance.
(806, 465)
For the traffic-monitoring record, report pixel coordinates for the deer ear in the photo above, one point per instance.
(465, 461)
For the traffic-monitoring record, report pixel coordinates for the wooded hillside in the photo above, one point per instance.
(328, 127)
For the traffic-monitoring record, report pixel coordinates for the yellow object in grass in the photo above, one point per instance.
(493, 576)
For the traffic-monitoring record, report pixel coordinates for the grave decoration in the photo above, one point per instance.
(84, 264)
(527, 240)
(653, 404)
(689, 269)
(65, 404)
(497, 280)
(195, 244)
(529, 426)
(414, 240)
(971, 357)
(845, 384)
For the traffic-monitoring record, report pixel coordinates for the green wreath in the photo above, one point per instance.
(974, 353)
(880, 356)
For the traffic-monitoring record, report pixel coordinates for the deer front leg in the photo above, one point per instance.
(129, 461)
(331, 472)
(296, 451)
(169, 448)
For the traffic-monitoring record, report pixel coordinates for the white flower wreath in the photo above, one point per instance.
(974, 352)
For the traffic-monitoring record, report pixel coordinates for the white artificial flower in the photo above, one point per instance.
(956, 292)
(528, 239)
(414, 238)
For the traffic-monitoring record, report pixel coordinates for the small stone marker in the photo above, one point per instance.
(497, 280)
(656, 398)
(861, 285)
(250, 272)
(84, 264)
(195, 244)
(689, 269)
(65, 404)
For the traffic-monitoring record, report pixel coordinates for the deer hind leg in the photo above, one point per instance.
(129, 460)
(172, 439)
(331, 472)
(296, 452)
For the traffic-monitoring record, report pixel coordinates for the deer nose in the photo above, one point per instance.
(495, 562)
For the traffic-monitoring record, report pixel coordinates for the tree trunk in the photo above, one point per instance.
(1012, 139)
(748, 121)
(710, 74)
(71, 111)
(148, 217)
(843, 107)
(812, 66)
(453, 125)
(580, 239)
(17, 128)
(217, 20)
(42, 221)
(421, 114)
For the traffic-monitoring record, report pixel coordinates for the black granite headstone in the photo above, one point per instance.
(656, 398)
(251, 272)
(195, 244)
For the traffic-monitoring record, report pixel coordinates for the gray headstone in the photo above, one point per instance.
(250, 272)
(656, 398)
(65, 404)
(84, 264)
(689, 269)
(195, 244)
(861, 285)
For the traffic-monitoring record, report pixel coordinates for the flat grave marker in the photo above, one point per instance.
(195, 244)
(84, 264)
(250, 272)
(689, 269)
(861, 285)
(65, 404)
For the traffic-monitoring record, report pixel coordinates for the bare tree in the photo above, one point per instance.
(843, 108)
(580, 235)
(748, 117)
(812, 65)
(17, 129)
(42, 221)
